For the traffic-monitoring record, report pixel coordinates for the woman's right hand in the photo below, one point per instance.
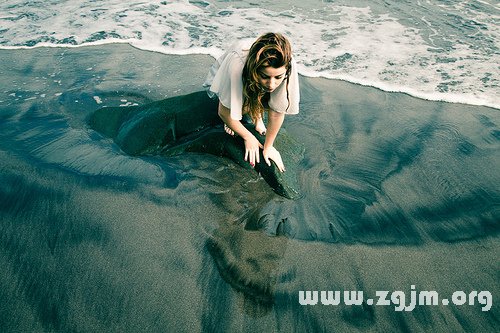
(252, 147)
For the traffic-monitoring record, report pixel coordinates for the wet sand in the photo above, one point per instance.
(398, 191)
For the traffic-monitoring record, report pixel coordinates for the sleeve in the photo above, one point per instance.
(279, 101)
(225, 81)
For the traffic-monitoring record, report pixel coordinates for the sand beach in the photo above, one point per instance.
(400, 194)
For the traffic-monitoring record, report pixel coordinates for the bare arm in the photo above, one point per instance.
(235, 125)
(252, 145)
(275, 120)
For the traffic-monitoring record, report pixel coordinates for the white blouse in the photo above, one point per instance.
(225, 81)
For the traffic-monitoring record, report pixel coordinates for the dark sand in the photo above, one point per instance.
(398, 192)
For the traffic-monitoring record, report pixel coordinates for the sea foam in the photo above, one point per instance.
(432, 50)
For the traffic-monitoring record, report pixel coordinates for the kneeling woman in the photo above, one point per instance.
(250, 79)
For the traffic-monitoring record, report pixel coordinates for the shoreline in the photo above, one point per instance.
(384, 87)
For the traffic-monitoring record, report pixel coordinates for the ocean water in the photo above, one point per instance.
(398, 190)
(433, 49)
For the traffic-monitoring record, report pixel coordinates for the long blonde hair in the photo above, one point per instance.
(270, 49)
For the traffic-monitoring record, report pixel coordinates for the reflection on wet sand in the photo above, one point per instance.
(381, 181)
(397, 192)
(248, 261)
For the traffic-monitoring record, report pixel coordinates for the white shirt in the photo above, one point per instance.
(225, 81)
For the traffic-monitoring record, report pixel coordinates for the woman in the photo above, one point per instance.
(251, 80)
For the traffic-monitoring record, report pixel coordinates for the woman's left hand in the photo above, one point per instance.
(272, 154)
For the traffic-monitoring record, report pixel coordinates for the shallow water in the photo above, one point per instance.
(398, 191)
(433, 49)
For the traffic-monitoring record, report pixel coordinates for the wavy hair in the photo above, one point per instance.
(270, 49)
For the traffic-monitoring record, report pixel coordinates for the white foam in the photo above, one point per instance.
(331, 41)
